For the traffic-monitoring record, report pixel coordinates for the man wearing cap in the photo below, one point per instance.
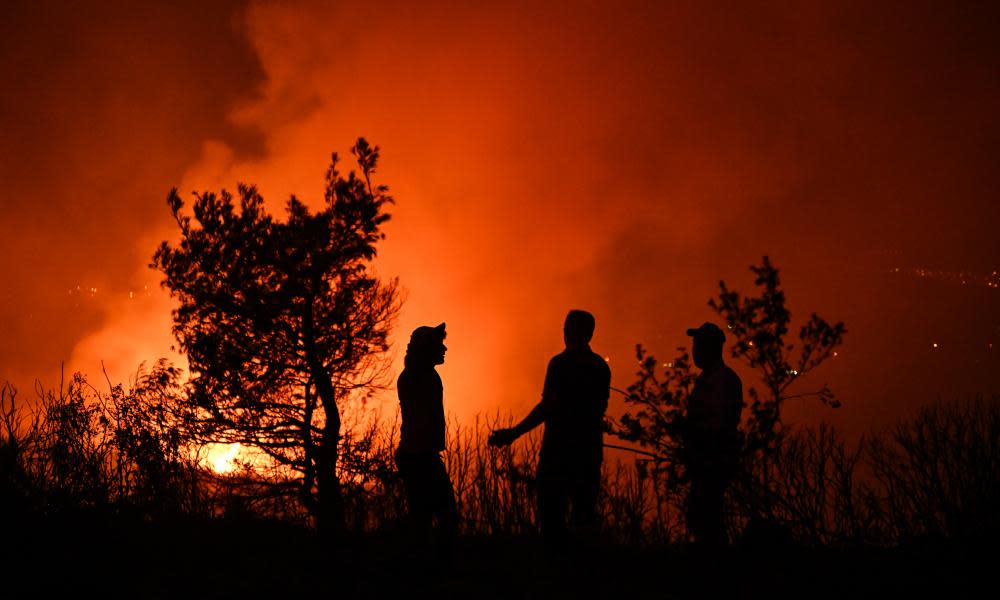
(422, 438)
(712, 439)
(574, 399)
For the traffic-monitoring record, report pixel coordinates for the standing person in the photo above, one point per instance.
(711, 439)
(574, 399)
(422, 439)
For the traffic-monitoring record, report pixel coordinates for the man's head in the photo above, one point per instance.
(578, 328)
(707, 340)
(426, 345)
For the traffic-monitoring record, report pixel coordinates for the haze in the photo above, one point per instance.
(621, 158)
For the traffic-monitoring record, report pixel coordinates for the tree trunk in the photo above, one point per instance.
(306, 495)
(330, 506)
(329, 499)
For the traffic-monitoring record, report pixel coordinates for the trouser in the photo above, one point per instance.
(429, 494)
(705, 515)
(567, 488)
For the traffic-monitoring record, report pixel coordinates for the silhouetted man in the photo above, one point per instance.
(711, 437)
(422, 438)
(574, 398)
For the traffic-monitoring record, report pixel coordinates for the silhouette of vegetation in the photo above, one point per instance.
(937, 474)
(79, 447)
(927, 488)
(758, 327)
(283, 322)
(876, 493)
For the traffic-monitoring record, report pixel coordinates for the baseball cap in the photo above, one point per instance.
(708, 331)
(425, 335)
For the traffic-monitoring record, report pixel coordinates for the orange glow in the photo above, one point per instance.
(223, 458)
(617, 159)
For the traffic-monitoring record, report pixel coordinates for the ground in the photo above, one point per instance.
(110, 557)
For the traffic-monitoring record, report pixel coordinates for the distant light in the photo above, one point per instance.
(835, 353)
(607, 359)
(935, 344)
(131, 295)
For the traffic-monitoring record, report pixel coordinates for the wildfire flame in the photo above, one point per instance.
(222, 458)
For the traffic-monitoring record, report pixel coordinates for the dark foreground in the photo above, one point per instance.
(94, 556)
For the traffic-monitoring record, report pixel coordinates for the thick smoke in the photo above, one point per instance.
(620, 159)
(102, 106)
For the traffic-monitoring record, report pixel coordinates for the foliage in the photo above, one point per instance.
(938, 473)
(282, 321)
(81, 447)
(657, 419)
(758, 326)
(14, 480)
(809, 491)
(929, 479)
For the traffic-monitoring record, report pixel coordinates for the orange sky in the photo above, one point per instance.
(606, 156)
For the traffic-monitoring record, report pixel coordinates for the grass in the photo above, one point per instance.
(96, 497)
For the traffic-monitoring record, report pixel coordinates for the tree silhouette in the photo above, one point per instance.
(758, 327)
(282, 321)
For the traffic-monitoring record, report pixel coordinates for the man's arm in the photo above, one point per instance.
(505, 437)
(535, 418)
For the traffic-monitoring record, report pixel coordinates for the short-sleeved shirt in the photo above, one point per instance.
(714, 411)
(575, 397)
(421, 402)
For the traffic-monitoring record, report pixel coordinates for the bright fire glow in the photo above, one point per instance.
(598, 159)
(222, 458)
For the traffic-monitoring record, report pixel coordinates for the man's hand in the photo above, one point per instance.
(503, 437)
